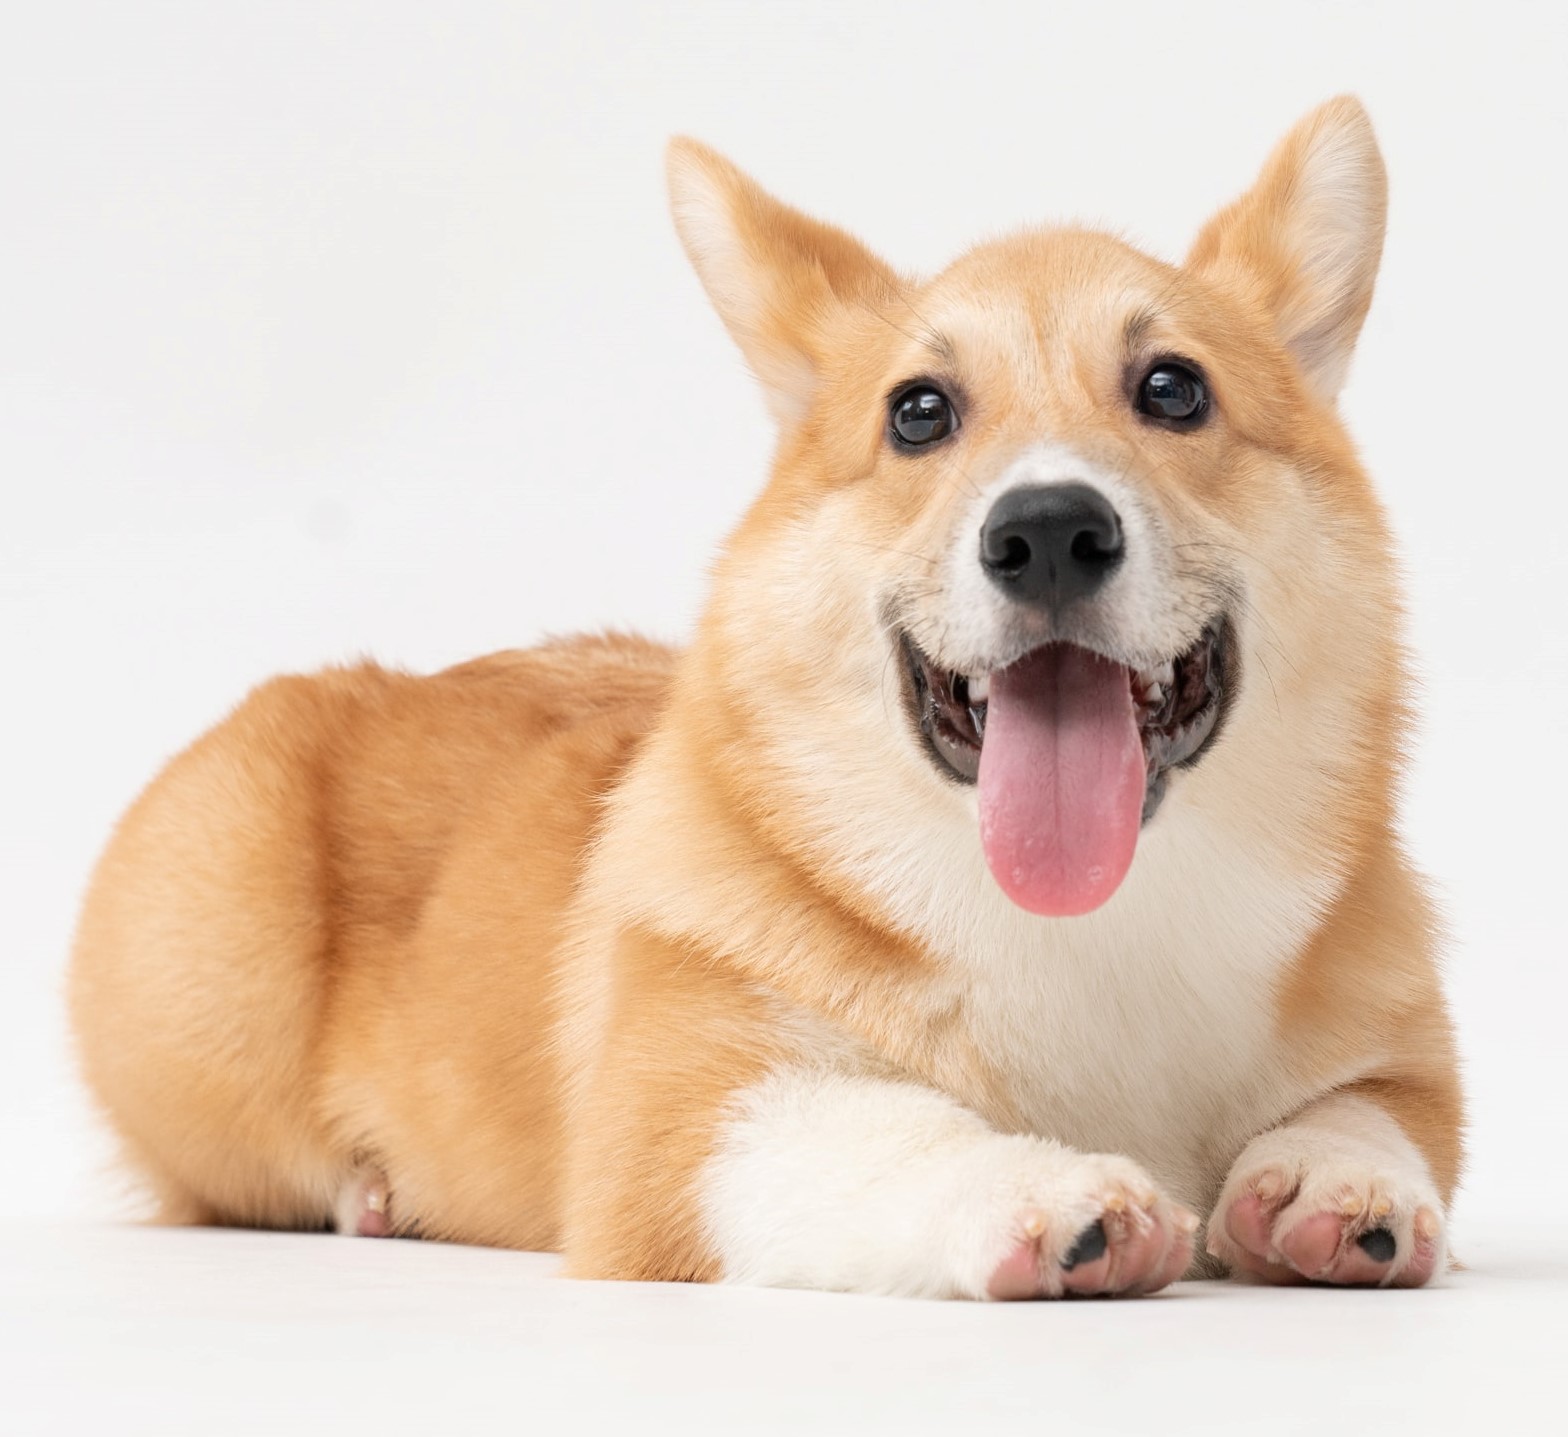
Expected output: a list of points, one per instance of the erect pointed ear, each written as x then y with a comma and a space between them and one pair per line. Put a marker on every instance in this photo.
775, 276
1305, 240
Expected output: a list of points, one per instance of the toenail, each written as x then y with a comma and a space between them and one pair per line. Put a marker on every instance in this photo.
1089, 1248
1379, 1244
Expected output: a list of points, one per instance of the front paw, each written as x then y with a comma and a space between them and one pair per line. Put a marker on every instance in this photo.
1093, 1224
1298, 1211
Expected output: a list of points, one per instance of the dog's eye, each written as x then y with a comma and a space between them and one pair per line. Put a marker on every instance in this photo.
922, 415
1172, 391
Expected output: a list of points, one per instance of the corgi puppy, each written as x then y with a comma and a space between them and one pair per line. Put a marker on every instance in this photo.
1002, 886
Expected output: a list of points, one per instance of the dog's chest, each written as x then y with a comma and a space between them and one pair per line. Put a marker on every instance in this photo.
1152, 1031
1177, 1075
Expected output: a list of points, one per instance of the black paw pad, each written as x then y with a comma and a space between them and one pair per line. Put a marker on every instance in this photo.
1089, 1247
1378, 1244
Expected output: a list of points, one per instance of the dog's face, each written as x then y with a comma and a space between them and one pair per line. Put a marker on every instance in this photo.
1057, 520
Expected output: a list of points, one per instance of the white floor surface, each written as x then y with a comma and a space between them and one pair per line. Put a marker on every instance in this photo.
125, 1330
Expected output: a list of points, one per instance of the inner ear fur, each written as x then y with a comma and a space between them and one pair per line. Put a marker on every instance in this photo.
1305, 241
775, 276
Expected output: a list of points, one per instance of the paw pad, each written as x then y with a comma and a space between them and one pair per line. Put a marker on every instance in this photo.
1090, 1247
1140, 1243
1379, 1244
1289, 1234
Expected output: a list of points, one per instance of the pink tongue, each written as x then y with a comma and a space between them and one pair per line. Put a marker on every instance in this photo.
1061, 780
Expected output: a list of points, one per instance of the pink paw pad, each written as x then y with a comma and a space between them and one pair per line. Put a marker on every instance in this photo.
363, 1205
1362, 1244
1131, 1249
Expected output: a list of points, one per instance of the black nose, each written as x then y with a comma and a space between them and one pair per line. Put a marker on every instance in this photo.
1050, 544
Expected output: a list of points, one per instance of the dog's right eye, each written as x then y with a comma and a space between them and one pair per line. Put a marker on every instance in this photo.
922, 414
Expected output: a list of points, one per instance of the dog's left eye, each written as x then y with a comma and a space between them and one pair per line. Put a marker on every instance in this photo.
922, 414
1172, 391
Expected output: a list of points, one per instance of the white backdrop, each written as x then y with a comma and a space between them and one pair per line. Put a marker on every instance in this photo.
330, 330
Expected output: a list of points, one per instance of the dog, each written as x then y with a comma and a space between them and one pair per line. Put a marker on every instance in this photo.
1004, 878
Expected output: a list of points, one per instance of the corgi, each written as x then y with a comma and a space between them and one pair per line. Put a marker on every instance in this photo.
999, 898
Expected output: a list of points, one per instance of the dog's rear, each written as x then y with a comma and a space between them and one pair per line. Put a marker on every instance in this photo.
246, 987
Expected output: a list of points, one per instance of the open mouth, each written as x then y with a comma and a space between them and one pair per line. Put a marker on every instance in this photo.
1072, 752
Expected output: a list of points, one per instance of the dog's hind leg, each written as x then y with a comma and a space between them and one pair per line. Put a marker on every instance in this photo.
364, 1204
202, 969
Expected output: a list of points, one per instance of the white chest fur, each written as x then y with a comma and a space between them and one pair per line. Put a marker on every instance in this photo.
1148, 1027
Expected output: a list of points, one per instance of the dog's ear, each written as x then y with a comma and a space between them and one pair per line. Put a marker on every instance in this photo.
776, 277
1305, 240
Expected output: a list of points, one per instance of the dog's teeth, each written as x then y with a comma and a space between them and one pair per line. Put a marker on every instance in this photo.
1153, 684
980, 689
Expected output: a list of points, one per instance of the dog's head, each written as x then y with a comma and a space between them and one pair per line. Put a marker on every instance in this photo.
1059, 532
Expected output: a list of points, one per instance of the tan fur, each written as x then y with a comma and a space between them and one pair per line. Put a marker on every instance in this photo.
516, 933
323, 937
